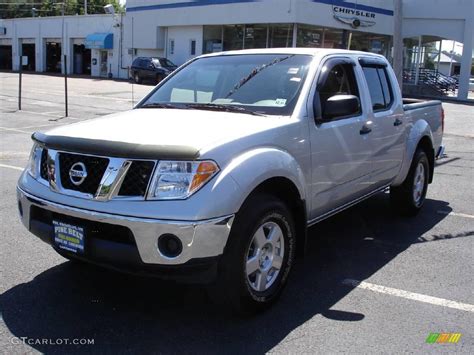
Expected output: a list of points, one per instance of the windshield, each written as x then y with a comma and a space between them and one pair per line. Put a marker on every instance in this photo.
167, 63
260, 83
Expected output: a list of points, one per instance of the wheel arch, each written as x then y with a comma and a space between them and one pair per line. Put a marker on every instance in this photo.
419, 136
285, 189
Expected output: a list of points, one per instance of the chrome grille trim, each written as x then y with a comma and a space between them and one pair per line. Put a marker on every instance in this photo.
110, 183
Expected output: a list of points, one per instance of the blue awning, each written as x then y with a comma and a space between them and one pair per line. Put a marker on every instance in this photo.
100, 41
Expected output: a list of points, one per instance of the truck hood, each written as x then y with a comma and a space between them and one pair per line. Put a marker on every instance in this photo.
155, 133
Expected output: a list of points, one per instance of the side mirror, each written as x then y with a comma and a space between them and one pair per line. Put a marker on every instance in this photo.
340, 106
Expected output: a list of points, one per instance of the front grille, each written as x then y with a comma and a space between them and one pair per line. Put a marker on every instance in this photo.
95, 167
137, 178
44, 164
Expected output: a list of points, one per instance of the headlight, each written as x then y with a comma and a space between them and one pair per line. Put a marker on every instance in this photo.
180, 179
32, 167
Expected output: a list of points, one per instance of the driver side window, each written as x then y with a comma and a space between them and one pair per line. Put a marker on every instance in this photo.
340, 81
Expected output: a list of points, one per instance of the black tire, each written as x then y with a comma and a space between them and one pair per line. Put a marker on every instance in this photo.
158, 78
136, 78
234, 287
403, 197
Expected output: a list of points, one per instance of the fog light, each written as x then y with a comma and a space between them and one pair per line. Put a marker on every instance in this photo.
169, 245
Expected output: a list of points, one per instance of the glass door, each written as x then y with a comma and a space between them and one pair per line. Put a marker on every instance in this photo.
103, 63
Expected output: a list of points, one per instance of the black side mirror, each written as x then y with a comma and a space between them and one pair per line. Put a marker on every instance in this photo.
340, 106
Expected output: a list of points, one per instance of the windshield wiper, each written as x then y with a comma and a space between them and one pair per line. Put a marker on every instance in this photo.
225, 108
253, 73
161, 105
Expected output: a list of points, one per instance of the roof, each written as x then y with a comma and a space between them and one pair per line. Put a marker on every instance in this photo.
321, 52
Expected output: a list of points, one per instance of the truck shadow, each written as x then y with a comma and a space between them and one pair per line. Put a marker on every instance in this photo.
130, 314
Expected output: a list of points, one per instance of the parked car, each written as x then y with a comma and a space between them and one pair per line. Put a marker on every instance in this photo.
151, 69
215, 176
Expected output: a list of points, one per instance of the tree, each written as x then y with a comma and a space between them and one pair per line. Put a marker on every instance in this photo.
43, 8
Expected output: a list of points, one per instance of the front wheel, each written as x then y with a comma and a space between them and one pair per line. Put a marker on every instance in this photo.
136, 78
409, 197
258, 256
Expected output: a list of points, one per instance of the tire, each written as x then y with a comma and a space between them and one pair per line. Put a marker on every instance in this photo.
250, 254
158, 78
137, 78
408, 198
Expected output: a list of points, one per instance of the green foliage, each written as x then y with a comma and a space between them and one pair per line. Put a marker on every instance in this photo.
43, 8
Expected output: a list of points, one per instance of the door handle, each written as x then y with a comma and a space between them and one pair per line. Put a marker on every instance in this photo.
366, 128
397, 122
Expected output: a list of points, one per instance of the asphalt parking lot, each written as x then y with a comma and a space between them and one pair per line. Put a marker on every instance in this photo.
371, 282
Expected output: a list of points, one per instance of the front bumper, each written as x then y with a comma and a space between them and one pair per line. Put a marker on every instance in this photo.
200, 239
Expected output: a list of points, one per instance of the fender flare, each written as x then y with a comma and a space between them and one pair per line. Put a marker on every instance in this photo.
418, 131
253, 167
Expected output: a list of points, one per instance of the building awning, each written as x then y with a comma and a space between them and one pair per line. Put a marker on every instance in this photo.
99, 41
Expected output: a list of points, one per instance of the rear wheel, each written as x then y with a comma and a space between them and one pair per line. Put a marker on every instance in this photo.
258, 256
409, 197
158, 78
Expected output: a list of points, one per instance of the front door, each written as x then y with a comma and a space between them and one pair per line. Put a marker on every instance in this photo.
103, 63
340, 149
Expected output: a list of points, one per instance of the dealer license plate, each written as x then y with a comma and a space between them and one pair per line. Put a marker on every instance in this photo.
69, 237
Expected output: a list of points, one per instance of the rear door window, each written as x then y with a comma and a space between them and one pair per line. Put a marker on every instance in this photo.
379, 87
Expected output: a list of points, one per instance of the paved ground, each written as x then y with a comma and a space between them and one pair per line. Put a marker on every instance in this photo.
45, 297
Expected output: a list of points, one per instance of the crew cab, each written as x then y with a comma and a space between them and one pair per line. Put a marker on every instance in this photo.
215, 176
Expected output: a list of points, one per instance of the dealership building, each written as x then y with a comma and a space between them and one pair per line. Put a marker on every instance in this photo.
105, 45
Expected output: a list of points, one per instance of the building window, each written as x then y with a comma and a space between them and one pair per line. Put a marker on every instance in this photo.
280, 35
233, 37
369, 42
212, 39
255, 36
171, 46
310, 36
192, 49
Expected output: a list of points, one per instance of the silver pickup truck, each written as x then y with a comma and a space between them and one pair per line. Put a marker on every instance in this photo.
216, 175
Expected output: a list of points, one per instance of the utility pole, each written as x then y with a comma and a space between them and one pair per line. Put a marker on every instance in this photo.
398, 41
85, 7
63, 48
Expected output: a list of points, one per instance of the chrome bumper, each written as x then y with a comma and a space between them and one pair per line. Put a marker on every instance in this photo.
200, 239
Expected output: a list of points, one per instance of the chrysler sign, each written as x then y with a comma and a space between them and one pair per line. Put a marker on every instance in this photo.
355, 18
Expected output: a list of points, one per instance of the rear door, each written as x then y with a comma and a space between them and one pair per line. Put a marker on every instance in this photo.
340, 148
388, 121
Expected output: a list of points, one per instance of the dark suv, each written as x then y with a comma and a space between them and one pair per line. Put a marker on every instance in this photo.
151, 69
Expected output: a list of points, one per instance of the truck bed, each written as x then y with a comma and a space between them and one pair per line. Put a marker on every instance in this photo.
431, 111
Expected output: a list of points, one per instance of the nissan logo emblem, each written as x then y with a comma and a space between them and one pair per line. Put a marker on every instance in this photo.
77, 173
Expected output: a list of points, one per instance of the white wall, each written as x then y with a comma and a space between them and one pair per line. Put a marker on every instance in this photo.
182, 37
75, 27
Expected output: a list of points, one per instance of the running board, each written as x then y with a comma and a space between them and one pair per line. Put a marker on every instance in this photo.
346, 206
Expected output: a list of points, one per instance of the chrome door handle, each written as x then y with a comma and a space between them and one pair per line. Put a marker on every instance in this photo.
397, 122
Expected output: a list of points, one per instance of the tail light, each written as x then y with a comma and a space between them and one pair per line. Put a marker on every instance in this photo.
442, 119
